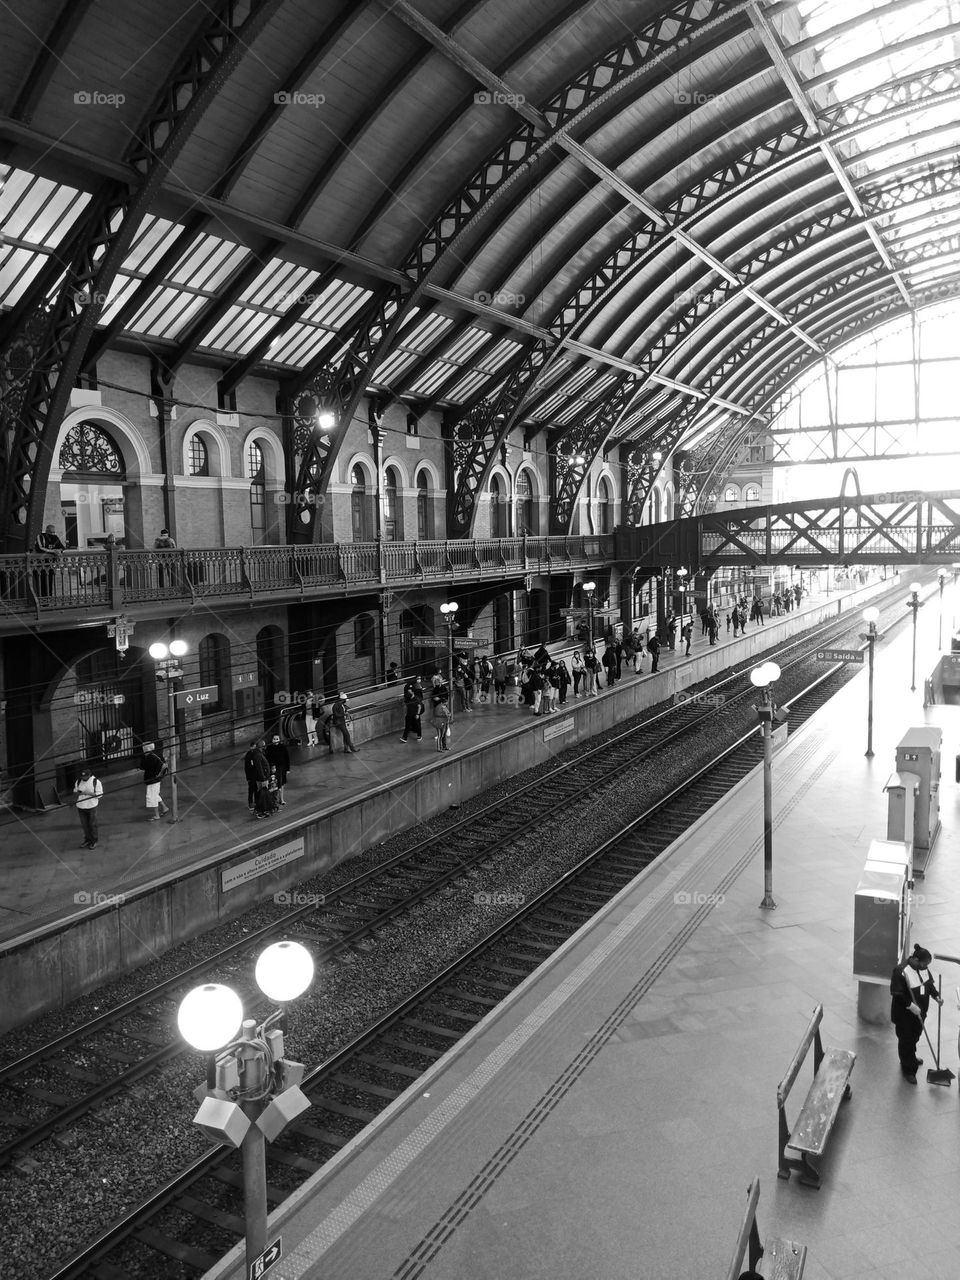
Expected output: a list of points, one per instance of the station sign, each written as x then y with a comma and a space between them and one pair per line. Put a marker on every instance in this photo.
574, 613
429, 642
271, 1254
198, 697
840, 655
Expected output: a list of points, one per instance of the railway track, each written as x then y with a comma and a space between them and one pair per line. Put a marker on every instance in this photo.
45, 1092
196, 1217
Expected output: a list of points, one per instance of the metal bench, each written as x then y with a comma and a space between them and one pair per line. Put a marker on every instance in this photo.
820, 1109
775, 1260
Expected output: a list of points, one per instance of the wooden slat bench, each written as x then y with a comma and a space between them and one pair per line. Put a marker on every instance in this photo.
816, 1119
775, 1260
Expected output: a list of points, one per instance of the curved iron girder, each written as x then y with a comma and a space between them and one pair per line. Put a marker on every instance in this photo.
41, 389
681, 22
900, 98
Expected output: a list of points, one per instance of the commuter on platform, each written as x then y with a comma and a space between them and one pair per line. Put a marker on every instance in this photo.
577, 672
50, 547
484, 677
393, 674
154, 770
756, 611
653, 648
340, 720
278, 757
563, 677
441, 722
311, 714
256, 770
671, 625
534, 688
591, 666
686, 635
412, 709
88, 790
500, 678
619, 651
609, 661
714, 628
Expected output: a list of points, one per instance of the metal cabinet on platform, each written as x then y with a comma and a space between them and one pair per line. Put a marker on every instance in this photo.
918, 753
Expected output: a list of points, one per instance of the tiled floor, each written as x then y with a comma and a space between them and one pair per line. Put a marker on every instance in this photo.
605, 1124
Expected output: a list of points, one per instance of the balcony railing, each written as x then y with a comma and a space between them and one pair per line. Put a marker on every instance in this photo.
113, 580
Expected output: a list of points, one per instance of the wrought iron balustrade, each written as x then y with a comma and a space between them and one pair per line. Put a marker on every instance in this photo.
78, 580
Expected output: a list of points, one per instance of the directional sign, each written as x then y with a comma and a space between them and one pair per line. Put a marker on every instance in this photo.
840, 655
574, 613
198, 697
429, 642
271, 1254
468, 642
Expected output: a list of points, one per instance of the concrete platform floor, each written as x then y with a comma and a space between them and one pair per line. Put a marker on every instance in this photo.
605, 1123
46, 874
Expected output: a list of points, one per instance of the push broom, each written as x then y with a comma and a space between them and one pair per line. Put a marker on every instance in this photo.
938, 1074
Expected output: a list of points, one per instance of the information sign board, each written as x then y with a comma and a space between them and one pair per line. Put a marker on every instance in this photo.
197, 697
840, 655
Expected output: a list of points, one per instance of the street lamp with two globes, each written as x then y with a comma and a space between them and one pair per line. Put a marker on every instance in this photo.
251, 1092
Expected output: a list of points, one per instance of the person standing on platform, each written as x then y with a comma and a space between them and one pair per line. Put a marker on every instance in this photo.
412, 709
256, 770
686, 635
591, 666
88, 790
577, 672
910, 996
393, 674
154, 771
341, 722
441, 722
311, 714
609, 661
653, 648
563, 676
500, 678
278, 758
50, 547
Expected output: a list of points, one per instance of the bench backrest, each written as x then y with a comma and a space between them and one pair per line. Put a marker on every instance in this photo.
749, 1235
810, 1036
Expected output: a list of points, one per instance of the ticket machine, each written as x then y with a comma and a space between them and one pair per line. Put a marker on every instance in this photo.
881, 925
918, 753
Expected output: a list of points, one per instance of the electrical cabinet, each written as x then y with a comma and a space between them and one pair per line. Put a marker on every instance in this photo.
918, 753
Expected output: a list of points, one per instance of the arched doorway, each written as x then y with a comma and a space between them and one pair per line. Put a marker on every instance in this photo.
424, 509
91, 488
392, 514
112, 711
257, 472
527, 521
604, 507
360, 506
271, 670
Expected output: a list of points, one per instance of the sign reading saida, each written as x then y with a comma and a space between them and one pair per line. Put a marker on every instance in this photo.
840, 655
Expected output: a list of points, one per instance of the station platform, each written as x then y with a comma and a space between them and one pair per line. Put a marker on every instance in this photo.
605, 1122
47, 876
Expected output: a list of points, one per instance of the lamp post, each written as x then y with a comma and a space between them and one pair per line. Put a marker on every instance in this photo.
682, 575
251, 1092
449, 612
916, 604
763, 678
870, 616
941, 579
167, 657
588, 588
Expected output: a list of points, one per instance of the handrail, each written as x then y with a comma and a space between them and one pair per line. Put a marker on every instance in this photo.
112, 580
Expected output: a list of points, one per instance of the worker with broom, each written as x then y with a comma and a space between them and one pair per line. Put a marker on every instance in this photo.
911, 994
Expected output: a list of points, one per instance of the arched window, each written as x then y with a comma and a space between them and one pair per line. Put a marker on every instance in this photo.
214, 658
364, 636
731, 493
360, 506
498, 509
751, 493
424, 509
89, 450
604, 507
199, 456
258, 491
392, 522
526, 506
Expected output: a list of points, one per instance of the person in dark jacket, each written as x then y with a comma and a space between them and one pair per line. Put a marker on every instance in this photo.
154, 769
341, 722
609, 661
910, 996
412, 709
653, 648
278, 757
256, 770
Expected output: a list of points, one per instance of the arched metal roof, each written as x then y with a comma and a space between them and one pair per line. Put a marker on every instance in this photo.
625, 220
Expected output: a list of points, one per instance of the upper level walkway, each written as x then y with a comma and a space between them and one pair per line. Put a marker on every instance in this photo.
881, 528
53, 590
